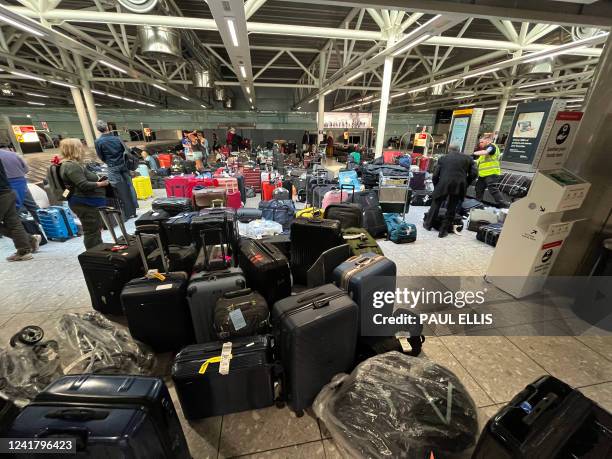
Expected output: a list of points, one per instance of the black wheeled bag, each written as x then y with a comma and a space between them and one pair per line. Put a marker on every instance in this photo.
152, 217
421, 198
220, 224
266, 269
156, 308
241, 313
172, 205
348, 214
248, 385
177, 229
309, 239
179, 258
317, 339
489, 234
373, 220
107, 267
86, 404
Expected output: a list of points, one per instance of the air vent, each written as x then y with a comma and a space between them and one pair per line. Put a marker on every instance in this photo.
201, 78
226, 6
160, 43
219, 94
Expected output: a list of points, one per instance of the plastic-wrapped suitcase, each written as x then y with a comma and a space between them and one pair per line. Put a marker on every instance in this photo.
266, 269
548, 419
360, 241
173, 206
99, 394
177, 229
156, 307
318, 335
468, 204
247, 385
309, 239
241, 313
489, 234
107, 267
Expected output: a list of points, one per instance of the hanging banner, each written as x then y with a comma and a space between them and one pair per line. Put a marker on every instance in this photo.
347, 120
560, 141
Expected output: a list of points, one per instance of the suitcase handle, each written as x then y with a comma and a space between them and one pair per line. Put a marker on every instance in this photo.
143, 255
77, 414
347, 186
107, 211
222, 243
237, 293
81, 433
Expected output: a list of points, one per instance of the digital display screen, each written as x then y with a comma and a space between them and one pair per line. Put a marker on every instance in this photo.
458, 132
528, 125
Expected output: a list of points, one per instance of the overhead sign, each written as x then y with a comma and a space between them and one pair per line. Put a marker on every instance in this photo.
560, 141
25, 133
347, 120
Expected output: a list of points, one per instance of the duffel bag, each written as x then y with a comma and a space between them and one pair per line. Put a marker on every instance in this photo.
241, 313
278, 210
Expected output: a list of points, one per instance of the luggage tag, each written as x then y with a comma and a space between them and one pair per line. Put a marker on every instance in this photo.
155, 274
402, 337
223, 360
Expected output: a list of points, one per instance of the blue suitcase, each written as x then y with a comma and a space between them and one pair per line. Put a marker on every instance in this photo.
58, 223
109, 415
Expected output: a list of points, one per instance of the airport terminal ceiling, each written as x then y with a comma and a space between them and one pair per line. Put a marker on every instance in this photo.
197, 54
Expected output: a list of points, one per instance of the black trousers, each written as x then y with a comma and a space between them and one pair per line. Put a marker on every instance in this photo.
489, 182
10, 223
451, 210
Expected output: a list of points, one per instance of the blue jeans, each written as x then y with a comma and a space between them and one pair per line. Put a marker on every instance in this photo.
119, 178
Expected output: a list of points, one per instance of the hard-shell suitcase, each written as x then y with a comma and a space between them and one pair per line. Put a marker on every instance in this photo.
84, 394
143, 187
549, 420
360, 241
57, 224
349, 178
489, 234
348, 214
32, 227
177, 229
309, 239
390, 156
241, 313
173, 206
208, 197
247, 385
267, 189
317, 338
180, 258
281, 193
318, 194
107, 267
156, 307
165, 160
469, 204
220, 223
233, 199
373, 220
152, 217
266, 269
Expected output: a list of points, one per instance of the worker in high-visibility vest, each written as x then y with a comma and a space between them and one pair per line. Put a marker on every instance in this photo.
489, 170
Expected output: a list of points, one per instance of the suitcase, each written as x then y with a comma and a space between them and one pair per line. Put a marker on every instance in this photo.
390, 157
267, 189
233, 199
58, 223
282, 212
417, 181
189, 167
192, 182
143, 187
8, 412
360, 241
177, 229
321, 272
165, 160
455, 227
317, 338
152, 217
361, 276
247, 214
487, 215
281, 241
156, 308
548, 419
489, 234
143, 170
220, 223
318, 193
252, 178
248, 385
107, 267
241, 313
337, 196
349, 178
514, 185
176, 186
31, 227
266, 269
180, 258
173, 206
421, 198
373, 220
281, 194
309, 239
348, 214
208, 197
468, 204
80, 395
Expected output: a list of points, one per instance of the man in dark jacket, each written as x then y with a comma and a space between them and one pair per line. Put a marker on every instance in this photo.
453, 175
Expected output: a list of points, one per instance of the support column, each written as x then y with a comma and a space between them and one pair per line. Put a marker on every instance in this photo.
82, 114
384, 103
502, 110
320, 125
87, 95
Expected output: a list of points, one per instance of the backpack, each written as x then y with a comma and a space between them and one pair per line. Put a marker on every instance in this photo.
132, 160
398, 230
58, 189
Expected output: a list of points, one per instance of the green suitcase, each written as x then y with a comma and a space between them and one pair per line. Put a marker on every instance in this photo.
360, 241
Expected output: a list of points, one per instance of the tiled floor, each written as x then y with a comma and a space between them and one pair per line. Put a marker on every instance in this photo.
492, 368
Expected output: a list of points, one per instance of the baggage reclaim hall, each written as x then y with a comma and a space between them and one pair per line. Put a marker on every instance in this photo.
291, 229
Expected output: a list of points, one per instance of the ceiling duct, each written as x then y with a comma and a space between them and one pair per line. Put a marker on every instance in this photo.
228, 103
201, 78
138, 6
160, 43
219, 94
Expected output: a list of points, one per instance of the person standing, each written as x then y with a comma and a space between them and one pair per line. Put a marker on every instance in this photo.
329, 151
10, 224
111, 150
452, 176
489, 170
203, 147
305, 142
87, 193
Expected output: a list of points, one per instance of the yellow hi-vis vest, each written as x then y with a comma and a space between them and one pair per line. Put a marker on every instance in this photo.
489, 164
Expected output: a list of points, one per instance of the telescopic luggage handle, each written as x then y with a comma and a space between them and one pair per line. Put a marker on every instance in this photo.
153, 232
222, 243
237, 293
105, 213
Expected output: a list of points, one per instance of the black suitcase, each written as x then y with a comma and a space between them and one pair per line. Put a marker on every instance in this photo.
152, 217
80, 401
8, 412
417, 181
281, 241
318, 335
156, 310
220, 223
266, 269
241, 313
309, 239
32, 227
248, 385
548, 419
421, 198
489, 234
350, 215
319, 191
107, 267
178, 257
373, 220
177, 229
172, 205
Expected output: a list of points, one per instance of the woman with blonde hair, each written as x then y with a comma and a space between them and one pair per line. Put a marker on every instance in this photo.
86, 191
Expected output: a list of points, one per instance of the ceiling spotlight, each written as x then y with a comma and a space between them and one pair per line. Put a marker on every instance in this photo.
250, 100
299, 107
311, 101
202, 105
243, 71
248, 90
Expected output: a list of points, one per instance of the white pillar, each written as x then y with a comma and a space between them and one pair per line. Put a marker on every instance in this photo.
82, 114
87, 95
502, 110
384, 103
321, 116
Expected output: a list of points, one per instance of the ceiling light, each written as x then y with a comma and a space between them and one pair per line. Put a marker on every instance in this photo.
412, 44
416, 90
35, 103
61, 83
97, 105
128, 100
574, 100
311, 101
184, 98
327, 92
420, 103
354, 77
114, 96
467, 105
484, 72
112, 66
27, 75
159, 87
250, 100
562, 49
35, 94
398, 95
243, 71
95, 91
531, 85
464, 96
252, 108
522, 98
202, 105
150, 105
232, 30
19, 25
140, 102
248, 90
424, 110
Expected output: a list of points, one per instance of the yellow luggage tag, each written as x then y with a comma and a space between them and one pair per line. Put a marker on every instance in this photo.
155, 274
223, 360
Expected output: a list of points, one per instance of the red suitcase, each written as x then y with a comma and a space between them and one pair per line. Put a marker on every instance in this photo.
252, 178
165, 160
424, 163
233, 199
267, 190
389, 157
176, 186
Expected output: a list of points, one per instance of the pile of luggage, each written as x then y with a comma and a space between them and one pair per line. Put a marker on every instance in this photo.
487, 222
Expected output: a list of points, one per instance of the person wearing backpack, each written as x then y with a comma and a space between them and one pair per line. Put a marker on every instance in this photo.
111, 149
86, 192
